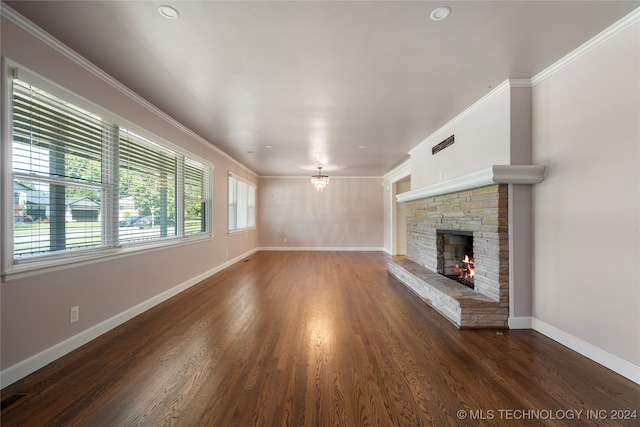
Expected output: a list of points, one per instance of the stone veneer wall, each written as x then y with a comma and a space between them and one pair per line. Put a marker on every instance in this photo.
484, 211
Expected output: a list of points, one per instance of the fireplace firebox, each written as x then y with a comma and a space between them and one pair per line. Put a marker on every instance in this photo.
455, 256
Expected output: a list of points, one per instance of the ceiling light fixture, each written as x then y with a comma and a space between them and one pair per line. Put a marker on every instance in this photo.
168, 12
320, 181
440, 13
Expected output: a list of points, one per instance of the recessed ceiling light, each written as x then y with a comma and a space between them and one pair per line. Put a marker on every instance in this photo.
168, 12
361, 147
268, 147
440, 13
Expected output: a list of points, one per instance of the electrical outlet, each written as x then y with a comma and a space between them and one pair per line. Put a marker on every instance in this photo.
74, 314
285, 240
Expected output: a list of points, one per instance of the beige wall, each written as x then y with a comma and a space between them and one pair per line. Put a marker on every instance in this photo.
347, 214
586, 212
35, 309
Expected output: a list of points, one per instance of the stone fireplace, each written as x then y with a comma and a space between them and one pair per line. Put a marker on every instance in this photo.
445, 224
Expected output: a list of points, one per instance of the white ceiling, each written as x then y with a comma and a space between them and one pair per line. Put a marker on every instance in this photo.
317, 80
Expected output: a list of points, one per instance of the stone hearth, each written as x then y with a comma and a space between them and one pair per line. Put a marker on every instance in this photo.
463, 306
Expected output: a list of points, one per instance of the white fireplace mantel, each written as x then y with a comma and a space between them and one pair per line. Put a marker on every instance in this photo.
496, 174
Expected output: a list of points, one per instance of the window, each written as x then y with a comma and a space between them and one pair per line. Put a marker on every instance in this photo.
196, 188
58, 156
242, 204
83, 183
148, 179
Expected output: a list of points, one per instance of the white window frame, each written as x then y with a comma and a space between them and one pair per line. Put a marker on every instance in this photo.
206, 198
38, 264
241, 186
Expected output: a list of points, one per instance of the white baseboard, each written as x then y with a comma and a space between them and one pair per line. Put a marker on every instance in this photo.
37, 361
608, 360
520, 322
317, 248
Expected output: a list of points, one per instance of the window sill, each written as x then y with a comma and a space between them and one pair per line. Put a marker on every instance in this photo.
244, 230
35, 268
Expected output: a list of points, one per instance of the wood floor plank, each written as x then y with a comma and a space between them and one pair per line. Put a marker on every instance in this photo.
311, 339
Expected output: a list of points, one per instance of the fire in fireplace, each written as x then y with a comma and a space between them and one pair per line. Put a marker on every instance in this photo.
455, 256
464, 274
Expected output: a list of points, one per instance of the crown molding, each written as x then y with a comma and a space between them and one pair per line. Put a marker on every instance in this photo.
331, 177
596, 41
37, 32
507, 84
399, 172
587, 47
497, 174
520, 83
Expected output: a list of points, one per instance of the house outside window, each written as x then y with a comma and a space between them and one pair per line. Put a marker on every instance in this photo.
77, 176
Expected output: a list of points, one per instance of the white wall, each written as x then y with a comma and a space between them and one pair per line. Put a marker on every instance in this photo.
347, 214
482, 139
35, 309
586, 212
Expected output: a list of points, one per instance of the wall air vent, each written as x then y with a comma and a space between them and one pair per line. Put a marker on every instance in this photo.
444, 144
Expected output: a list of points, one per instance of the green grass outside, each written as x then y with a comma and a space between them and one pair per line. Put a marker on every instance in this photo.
27, 228
80, 234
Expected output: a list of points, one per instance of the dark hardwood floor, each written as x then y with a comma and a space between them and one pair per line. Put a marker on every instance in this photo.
318, 339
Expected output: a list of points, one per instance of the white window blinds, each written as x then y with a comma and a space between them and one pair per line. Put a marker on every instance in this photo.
59, 153
148, 180
242, 204
81, 182
197, 198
